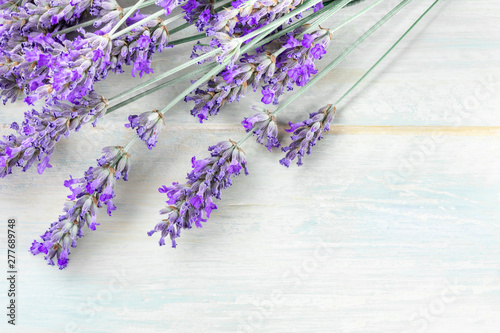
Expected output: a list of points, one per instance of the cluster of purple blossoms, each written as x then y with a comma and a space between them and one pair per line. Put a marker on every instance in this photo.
147, 125
37, 135
25, 32
279, 65
137, 47
200, 13
23, 63
54, 68
71, 74
227, 26
90, 192
306, 133
263, 125
295, 64
191, 203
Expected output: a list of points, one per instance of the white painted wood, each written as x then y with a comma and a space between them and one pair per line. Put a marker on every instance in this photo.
386, 228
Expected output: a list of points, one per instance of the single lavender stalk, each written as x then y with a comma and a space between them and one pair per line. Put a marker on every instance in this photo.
36, 137
191, 203
94, 190
148, 126
306, 134
263, 125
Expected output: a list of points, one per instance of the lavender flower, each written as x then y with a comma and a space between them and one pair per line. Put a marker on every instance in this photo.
147, 125
192, 202
306, 133
138, 47
72, 74
36, 137
92, 191
54, 68
263, 125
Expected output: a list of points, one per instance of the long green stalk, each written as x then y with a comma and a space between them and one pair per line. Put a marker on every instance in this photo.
341, 57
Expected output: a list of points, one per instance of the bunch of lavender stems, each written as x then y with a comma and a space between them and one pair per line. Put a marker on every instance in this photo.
227, 160
207, 179
23, 151
325, 15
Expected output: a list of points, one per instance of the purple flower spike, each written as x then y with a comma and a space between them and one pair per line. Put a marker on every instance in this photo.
36, 137
263, 125
148, 126
191, 203
89, 193
307, 133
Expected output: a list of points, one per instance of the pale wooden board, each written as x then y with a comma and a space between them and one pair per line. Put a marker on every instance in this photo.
392, 225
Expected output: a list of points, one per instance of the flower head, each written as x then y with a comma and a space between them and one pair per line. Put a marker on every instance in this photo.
191, 203
147, 125
263, 125
94, 190
35, 138
306, 133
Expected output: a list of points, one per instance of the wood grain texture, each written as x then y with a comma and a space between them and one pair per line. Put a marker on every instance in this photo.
391, 225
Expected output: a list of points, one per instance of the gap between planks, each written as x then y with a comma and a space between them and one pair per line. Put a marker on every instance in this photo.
489, 131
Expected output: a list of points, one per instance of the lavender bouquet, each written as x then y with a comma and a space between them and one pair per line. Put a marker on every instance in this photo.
54, 53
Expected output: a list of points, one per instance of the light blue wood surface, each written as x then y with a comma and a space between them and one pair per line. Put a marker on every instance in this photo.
392, 225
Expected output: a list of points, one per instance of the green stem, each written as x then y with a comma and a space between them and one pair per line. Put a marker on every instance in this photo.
385, 54
352, 18
137, 24
341, 57
158, 87
187, 39
322, 18
125, 17
193, 61
166, 74
195, 85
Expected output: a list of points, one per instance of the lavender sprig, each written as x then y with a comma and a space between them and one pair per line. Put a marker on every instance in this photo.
263, 125
36, 137
94, 190
306, 134
191, 203
148, 125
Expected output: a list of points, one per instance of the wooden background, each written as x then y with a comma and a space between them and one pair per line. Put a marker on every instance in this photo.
392, 225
